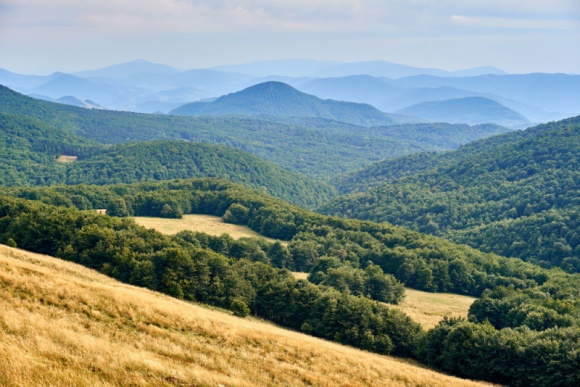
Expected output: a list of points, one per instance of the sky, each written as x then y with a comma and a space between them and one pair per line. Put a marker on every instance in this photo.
518, 36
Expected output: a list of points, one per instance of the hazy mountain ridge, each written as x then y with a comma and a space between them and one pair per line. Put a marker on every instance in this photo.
469, 110
315, 147
149, 87
280, 99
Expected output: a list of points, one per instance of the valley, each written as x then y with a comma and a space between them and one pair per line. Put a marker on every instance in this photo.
289, 229
428, 309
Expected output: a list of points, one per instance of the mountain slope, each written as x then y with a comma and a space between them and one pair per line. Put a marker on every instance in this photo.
166, 160
556, 93
29, 151
280, 99
484, 194
63, 324
29, 147
544, 302
470, 110
316, 147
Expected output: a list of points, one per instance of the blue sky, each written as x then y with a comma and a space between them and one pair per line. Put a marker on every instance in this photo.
516, 35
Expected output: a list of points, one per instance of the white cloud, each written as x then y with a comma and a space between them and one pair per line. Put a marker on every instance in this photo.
239, 30
196, 16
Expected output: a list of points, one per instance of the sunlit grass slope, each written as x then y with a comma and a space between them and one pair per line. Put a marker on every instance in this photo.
429, 308
212, 225
62, 324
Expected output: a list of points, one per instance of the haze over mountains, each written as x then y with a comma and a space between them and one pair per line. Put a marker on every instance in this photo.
279, 99
146, 87
512, 194
317, 147
470, 110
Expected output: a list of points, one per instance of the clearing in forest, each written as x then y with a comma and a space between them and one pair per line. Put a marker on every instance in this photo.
427, 308
212, 225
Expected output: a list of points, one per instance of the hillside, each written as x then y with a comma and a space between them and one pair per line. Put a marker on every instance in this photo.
516, 195
315, 147
523, 309
63, 324
280, 99
166, 160
470, 110
30, 150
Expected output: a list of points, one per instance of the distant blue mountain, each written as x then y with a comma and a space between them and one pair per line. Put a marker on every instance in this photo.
63, 85
70, 100
138, 66
285, 68
557, 93
149, 87
354, 88
281, 100
471, 110
21, 81
395, 70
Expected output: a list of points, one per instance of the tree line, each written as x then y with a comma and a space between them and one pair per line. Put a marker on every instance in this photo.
523, 331
515, 195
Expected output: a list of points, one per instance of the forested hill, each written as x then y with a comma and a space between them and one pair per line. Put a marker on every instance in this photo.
29, 151
165, 160
470, 110
516, 195
318, 148
280, 99
29, 147
523, 311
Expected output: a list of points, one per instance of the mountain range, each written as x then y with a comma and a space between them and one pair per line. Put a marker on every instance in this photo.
279, 99
141, 86
317, 147
448, 208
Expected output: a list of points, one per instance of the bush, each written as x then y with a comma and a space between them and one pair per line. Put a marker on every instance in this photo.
239, 308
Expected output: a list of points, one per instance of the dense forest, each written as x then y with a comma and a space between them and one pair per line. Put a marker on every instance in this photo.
29, 151
418, 260
513, 195
516, 195
523, 310
318, 148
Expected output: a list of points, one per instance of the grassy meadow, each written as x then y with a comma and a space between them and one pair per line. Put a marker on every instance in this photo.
427, 308
62, 325
212, 225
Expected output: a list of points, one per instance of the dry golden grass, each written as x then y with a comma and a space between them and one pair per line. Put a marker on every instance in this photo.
299, 275
66, 159
429, 308
65, 325
212, 225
